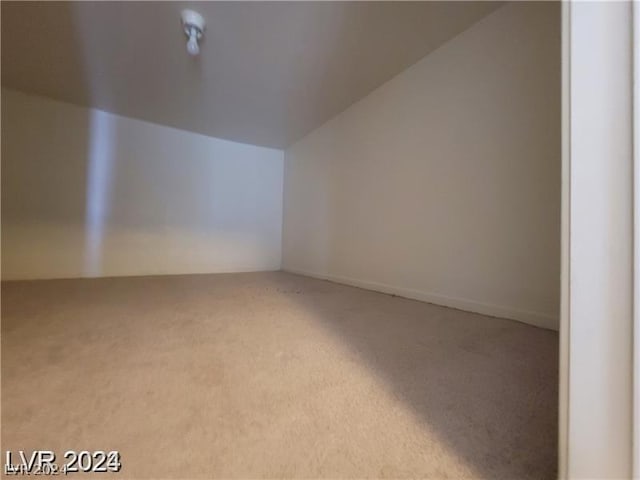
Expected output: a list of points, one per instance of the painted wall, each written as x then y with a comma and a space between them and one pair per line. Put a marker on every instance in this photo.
87, 193
444, 183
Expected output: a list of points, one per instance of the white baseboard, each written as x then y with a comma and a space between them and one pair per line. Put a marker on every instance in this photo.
532, 318
19, 277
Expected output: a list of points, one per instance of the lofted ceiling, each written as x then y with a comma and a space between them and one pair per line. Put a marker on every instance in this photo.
268, 72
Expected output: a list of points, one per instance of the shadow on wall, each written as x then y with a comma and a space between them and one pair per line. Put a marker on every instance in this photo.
445, 182
487, 387
52, 191
34, 191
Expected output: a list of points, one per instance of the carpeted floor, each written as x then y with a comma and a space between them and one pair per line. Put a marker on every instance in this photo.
274, 375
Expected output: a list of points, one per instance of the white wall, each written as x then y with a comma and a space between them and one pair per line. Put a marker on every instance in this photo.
444, 183
87, 193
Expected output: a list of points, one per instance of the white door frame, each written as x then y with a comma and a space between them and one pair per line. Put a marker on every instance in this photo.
597, 405
635, 38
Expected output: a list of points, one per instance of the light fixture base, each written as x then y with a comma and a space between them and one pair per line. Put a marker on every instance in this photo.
193, 21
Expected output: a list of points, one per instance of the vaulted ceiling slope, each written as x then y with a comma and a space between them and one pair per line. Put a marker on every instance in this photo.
268, 72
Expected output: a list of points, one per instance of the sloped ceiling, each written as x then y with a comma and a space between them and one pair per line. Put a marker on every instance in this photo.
268, 73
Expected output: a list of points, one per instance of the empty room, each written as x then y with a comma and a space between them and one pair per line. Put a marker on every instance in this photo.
287, 239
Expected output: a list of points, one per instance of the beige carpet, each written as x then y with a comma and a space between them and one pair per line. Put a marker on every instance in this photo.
274, 375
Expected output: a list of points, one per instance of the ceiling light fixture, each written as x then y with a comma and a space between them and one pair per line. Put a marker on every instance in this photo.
193, 25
